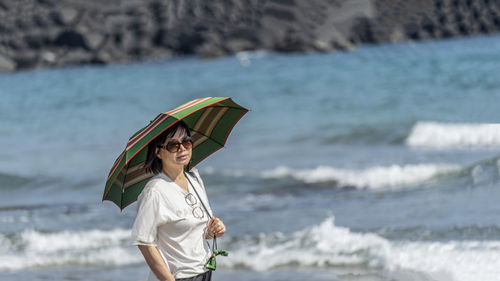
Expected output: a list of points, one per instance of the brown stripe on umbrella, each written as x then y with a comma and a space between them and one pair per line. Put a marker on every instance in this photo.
135, 172
202, 118
198, 138
135, 168
137, 179
118, 180
118, 183
216, 119
207, 124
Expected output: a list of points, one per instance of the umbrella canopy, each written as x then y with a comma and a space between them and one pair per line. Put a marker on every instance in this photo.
210, 121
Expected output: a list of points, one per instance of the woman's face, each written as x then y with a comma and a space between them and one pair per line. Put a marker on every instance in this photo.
175, 159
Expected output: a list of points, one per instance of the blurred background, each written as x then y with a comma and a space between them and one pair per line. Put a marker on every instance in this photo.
371, 151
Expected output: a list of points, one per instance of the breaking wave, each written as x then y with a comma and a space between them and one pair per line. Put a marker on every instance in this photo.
329, 246
320, 246
483, 172
373, 177
32, 248
442, 135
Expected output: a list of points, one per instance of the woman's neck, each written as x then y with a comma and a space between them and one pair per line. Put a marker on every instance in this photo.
174, 173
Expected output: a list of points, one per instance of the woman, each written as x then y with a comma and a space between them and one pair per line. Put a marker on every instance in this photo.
173, 218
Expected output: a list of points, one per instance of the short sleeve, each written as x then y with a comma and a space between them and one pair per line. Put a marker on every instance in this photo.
150, 214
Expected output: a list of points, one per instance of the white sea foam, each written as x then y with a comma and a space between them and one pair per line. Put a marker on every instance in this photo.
442, 135
92, 247
327, 245
324, 245
464, 260
373, 177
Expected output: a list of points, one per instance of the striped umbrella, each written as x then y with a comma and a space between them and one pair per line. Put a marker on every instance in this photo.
210, 121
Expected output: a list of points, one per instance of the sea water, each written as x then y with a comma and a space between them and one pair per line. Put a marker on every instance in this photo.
375, 164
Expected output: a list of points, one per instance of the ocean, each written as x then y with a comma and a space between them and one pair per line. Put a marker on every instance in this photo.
381, 163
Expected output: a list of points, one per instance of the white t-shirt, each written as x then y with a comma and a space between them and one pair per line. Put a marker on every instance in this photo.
165, 220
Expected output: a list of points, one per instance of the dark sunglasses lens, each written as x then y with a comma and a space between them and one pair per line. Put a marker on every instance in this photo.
173, 146
187, 143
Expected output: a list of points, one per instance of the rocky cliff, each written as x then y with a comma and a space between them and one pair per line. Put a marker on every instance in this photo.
44, 33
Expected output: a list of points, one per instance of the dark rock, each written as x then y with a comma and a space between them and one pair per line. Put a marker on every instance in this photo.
3, 6
362, 31
157, 9
37, 41
280, 14
48, 32
485, 27
21, 25
126, 41
292, 42
412, 31
160, 39
463, 28
496, 22
187, 43
26, 60
427, 24
284, 2
40, 22
244, 33
71, 39
181, 43
3, 29
448, 32
14, 44
46, 2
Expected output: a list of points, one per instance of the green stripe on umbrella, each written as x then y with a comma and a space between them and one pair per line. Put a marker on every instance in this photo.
210, 120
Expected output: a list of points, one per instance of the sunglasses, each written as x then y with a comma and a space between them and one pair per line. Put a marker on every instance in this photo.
191, 201
175, 146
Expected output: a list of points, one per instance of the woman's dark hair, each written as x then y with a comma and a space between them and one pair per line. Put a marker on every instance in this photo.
153, 163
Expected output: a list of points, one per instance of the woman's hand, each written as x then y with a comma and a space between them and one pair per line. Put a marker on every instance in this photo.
215, 226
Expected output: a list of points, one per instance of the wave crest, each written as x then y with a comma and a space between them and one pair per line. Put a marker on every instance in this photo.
329, 246
374, 177
323, 245
442, 135
319, 246
33, 248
